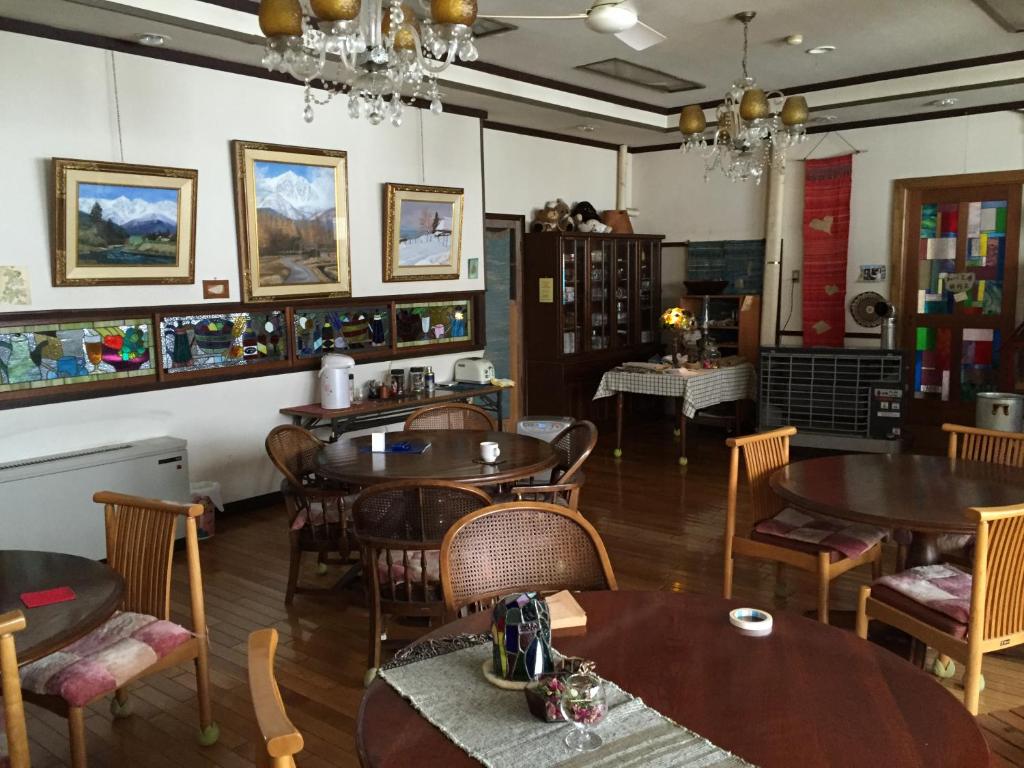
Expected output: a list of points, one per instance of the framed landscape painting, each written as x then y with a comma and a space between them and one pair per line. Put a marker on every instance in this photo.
291, 205
422, 232
120, 224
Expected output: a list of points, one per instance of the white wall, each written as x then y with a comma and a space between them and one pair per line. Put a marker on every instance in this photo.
524, 172
673, 198
58, 101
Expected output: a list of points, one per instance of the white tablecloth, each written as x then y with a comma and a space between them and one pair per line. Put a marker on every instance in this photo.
698, 389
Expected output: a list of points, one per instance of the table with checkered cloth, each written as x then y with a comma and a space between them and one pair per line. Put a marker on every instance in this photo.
699, 390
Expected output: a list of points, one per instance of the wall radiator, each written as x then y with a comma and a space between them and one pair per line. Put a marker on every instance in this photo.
46, 501
832, 396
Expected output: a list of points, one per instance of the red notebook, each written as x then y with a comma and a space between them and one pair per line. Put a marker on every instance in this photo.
47, 597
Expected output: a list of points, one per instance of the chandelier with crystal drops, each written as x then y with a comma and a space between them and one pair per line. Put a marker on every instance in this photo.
378, 52
753, 133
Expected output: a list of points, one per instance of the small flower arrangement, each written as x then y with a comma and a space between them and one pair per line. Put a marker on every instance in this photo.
544, 696
679, 321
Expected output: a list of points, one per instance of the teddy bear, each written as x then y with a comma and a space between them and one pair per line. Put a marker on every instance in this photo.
553, 217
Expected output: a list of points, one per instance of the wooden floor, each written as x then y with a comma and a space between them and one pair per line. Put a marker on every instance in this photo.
662, 525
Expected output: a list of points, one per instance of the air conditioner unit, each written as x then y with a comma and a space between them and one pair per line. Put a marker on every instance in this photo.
47, 500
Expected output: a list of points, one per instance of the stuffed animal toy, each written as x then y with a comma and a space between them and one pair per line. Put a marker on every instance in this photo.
546, 219
586, 211
566, 223
591, 225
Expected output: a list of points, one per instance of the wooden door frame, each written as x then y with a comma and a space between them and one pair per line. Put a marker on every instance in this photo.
516, 224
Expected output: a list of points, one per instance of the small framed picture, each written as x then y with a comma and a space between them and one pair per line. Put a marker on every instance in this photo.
291, 206
473, 268
216, 289
422, 232
120, 224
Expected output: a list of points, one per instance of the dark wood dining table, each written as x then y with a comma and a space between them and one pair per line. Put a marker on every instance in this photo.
926, 495
97, 587
453, 455
806, 695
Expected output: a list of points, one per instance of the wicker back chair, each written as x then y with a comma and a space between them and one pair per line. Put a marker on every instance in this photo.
281, 740
399, 527
13, 709
987, 445
573, 446
140, 547
996, 611
451, 416
763, 454
316, 509
517, 547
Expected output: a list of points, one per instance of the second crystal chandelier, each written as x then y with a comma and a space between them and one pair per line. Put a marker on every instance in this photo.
383, 51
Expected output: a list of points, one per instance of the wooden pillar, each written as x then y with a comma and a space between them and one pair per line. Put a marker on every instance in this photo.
772, 256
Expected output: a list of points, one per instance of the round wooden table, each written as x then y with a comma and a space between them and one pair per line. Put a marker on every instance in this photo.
807, 695
928, 495
453, 455
97, 588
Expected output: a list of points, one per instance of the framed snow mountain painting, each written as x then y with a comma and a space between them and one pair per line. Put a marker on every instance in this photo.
422, 232
120, 224
291, 206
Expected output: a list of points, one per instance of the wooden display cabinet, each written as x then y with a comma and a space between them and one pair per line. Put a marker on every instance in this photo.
735, 322
591, 303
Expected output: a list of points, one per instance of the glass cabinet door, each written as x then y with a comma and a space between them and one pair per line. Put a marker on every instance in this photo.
602, 254
647, 311
573, 266
625, 251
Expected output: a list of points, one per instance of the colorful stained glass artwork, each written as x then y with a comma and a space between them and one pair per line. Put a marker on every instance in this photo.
521, 637
201, 342
344, 329
929, 220
47, 355
949, 219
932, 358
439, 322
979, 362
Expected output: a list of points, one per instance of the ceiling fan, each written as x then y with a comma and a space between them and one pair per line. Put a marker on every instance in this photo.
609, 17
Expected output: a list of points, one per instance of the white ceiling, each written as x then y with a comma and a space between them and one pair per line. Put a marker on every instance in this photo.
703, 45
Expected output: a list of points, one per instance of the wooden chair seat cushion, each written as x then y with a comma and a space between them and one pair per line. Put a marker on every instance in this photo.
102, 661
316, 515
958, 545
941, 589
414, 571
844, 539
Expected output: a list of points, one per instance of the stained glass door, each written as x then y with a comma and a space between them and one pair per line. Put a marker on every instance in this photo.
959, 297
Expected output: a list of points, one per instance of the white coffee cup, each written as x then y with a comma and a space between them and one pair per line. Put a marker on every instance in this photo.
489, 452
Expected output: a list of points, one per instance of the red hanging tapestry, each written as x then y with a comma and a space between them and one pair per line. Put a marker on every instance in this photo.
826, 236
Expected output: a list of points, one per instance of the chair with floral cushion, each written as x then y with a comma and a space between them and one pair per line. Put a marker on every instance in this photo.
517, 547
13, 736
399, 527
317, 508
139, 639
451, 416
959, 614
281, 740
573, 446
784, 535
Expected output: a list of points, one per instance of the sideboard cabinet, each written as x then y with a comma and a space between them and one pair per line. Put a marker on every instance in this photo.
590, 303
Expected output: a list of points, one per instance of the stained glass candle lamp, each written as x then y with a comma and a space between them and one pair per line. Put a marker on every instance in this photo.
521, 633
679, 321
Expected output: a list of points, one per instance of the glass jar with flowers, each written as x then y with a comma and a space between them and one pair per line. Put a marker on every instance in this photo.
679, 321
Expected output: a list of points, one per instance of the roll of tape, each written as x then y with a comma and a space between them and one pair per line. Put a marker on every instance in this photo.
751, 621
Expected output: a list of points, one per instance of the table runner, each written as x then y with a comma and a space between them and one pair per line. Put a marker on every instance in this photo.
701, 390
495, 727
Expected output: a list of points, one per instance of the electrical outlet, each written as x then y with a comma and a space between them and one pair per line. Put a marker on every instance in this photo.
796, 275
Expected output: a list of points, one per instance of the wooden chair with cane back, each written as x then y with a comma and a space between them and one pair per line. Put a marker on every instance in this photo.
573, 446
399, 527
517, 547
451, 416
318, 519
280, 740
961, 615
139, 639
782, 534
15, 755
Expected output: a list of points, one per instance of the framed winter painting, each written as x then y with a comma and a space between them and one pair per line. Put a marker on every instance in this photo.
291, 207
120, 224
422, 232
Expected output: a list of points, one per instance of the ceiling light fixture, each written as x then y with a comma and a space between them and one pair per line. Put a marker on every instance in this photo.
385, 52
820, 49
151, 39
795, 39
754, 128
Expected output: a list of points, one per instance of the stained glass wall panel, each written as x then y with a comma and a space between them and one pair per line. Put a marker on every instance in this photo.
438, 322
979, 362
986, 256
202, 342
345, 329
48, 355
932, 359
937, 253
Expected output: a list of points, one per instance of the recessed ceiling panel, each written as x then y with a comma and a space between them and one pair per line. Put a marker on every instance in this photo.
645, 77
